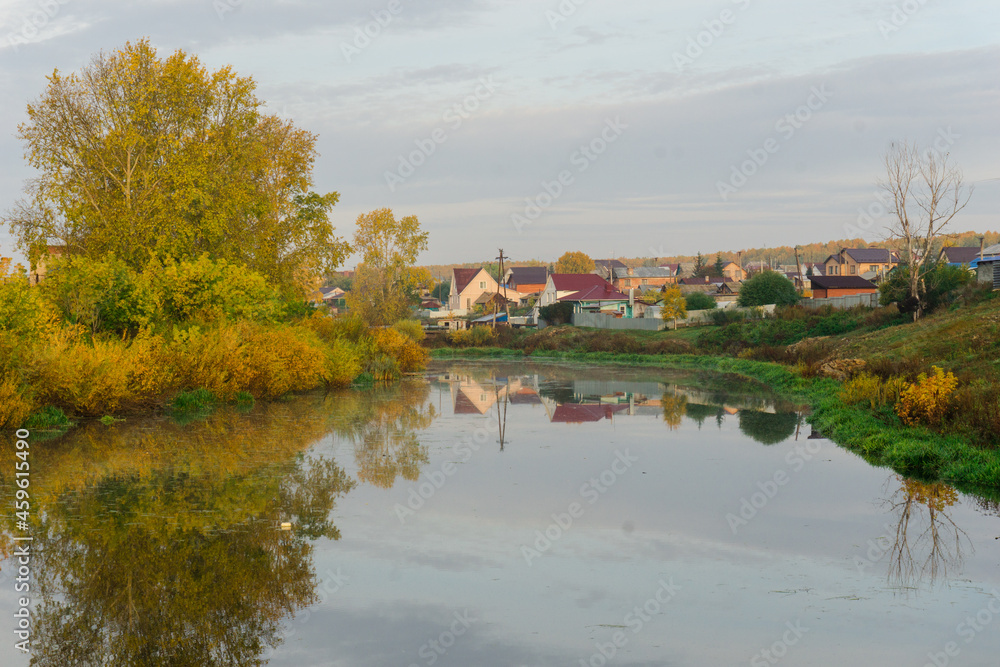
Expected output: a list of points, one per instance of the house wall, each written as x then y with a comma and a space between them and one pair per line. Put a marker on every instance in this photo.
529, 288
472, 291
637, 281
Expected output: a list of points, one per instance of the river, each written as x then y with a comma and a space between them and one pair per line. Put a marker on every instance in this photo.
493, 514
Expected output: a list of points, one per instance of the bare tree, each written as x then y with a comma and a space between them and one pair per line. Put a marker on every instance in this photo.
927, 192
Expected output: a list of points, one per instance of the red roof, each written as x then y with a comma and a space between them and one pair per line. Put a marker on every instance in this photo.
585, 287
578, 413
463, 277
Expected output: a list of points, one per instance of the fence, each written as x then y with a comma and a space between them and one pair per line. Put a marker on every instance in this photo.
601, 321
842, 302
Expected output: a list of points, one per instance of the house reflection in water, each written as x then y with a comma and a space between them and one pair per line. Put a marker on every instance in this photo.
571, 401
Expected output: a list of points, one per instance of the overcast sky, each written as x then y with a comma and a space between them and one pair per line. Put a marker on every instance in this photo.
674, 127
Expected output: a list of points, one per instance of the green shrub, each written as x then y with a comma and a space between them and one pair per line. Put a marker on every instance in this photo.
766, 288
699, 301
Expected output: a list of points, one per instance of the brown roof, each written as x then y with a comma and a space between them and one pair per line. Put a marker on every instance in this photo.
841, 282
463, 277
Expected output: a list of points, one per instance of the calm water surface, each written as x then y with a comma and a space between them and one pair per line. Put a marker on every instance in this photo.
498, 514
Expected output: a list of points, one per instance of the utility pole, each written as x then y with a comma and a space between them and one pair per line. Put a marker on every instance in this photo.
798, 269
503, 285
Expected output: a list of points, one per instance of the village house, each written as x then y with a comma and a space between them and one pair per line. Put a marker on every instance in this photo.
526, 279
958, 255
605, 267
467, 285
988, 267
41, 267
587, 292
824, 287
734, 272
652, 276
869, 263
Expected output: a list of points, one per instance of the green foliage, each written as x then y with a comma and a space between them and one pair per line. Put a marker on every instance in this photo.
699, 301
942, 283
560, 312
719, 265
48, 418
22, 312
197, 400
104, 295
701, 267
766, 288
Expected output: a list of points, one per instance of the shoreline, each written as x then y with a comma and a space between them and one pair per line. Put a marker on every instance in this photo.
911, 451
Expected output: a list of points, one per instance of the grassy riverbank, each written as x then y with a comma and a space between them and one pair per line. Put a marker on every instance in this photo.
960, 449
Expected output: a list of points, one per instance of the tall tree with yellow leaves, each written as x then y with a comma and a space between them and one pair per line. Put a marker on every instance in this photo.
142, 157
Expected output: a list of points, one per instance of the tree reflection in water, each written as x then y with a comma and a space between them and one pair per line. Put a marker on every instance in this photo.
156, 544
927, 542
382, 425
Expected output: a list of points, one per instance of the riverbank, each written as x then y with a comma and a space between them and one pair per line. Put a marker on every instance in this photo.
963, 341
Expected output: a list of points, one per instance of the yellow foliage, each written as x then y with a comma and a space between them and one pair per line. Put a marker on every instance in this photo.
97, 377
868, 388
927, 400
411, 328
15, 407
267, 361
409, 354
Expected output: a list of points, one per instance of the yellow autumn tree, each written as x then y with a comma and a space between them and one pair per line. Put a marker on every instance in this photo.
386, 283
673, 306
142, 156
574, 262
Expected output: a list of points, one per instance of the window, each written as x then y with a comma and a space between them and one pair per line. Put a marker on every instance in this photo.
482, 284
854, 269
645, 282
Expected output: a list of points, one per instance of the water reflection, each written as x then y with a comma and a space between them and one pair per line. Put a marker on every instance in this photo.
927, 542
157, 543
382, 424
603, 394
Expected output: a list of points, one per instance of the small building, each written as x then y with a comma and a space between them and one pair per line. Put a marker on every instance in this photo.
643, 276
959, 255
526, 279
734, 272
871, 262
988, 268
824, 287
587, 292
605, 267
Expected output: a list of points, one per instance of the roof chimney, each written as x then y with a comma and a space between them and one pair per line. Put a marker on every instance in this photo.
631, 271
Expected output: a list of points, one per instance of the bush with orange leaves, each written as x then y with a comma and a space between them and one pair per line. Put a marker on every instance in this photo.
927, 400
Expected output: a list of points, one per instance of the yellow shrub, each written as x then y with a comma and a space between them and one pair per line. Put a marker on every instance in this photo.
868, 388
15, 407
411, 329
267, 361
409, 355
927, 400
97, 377
343, 363
460, 337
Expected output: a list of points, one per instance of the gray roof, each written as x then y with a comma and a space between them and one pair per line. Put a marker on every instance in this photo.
870, 255
960, 254
644, 272
992, 250
528, 275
